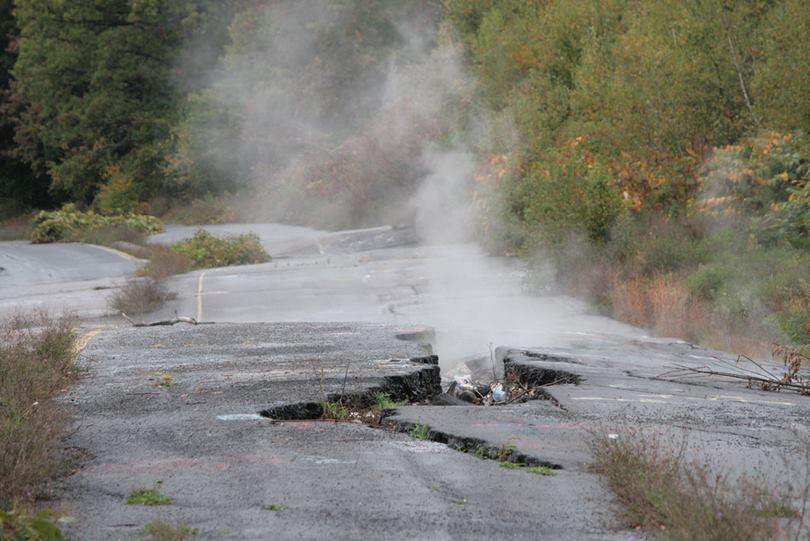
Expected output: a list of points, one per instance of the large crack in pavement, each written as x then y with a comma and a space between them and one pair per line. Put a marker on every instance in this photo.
423, 387
178, 406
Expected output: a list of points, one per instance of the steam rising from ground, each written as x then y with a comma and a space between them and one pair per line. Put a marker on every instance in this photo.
393, 144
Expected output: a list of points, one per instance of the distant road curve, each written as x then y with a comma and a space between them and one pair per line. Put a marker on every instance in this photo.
60, 277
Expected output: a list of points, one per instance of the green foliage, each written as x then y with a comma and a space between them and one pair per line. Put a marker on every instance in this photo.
16, 526
162, 531
505, 452
276, 507
707, 281
781, 81
120, 195
96, 90
20, 188
148, 496
542, 470
333, 411
569, 195
318, 100
419, 432
510, 465
205, 250
382, 401
69, 223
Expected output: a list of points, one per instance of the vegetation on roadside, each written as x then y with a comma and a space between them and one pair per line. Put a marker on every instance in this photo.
146, 292
138, 296
656, 152
70, 224
206, 250
37, 362
661, 492
16, 526
656, 162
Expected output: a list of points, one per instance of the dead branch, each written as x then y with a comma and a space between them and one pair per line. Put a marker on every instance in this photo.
165, 322
765, 383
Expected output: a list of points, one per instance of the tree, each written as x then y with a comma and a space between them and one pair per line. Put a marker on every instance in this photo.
19, 187
98, 85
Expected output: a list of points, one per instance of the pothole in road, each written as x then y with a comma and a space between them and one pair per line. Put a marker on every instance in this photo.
484, 381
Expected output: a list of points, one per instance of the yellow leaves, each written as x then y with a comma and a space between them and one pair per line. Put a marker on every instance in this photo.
525, 58
495, 168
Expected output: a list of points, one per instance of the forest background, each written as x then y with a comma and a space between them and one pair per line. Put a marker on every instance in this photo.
656, 152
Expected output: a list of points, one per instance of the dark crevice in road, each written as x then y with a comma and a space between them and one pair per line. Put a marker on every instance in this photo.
417, 386
475, 446
423, 387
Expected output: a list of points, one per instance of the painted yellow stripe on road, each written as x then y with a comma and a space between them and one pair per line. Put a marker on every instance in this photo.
84, 340
200, 296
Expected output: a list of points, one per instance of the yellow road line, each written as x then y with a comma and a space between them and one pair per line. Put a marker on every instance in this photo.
84, 340
119, 253
199, 296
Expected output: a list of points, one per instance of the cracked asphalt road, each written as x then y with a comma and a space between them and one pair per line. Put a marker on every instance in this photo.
337, 480
349, 481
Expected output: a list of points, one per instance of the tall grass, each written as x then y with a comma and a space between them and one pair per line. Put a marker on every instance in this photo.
37, 362
661, 492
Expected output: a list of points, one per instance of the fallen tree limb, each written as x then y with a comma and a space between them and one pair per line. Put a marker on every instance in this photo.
766, 383
167, 322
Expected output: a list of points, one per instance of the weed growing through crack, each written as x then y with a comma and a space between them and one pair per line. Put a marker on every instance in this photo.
164, 379
162, 531
148, 496
333, 411
505, 452
276, 507
138, 296
510, 465
383, 401
419, 432
541, 470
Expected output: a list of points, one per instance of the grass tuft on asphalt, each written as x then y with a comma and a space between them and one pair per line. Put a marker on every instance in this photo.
659, 491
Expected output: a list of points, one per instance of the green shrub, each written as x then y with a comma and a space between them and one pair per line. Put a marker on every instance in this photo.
22, 527
37, 362
205, 250
706, 281
70, 224
121, 194
209, 209
666, 251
